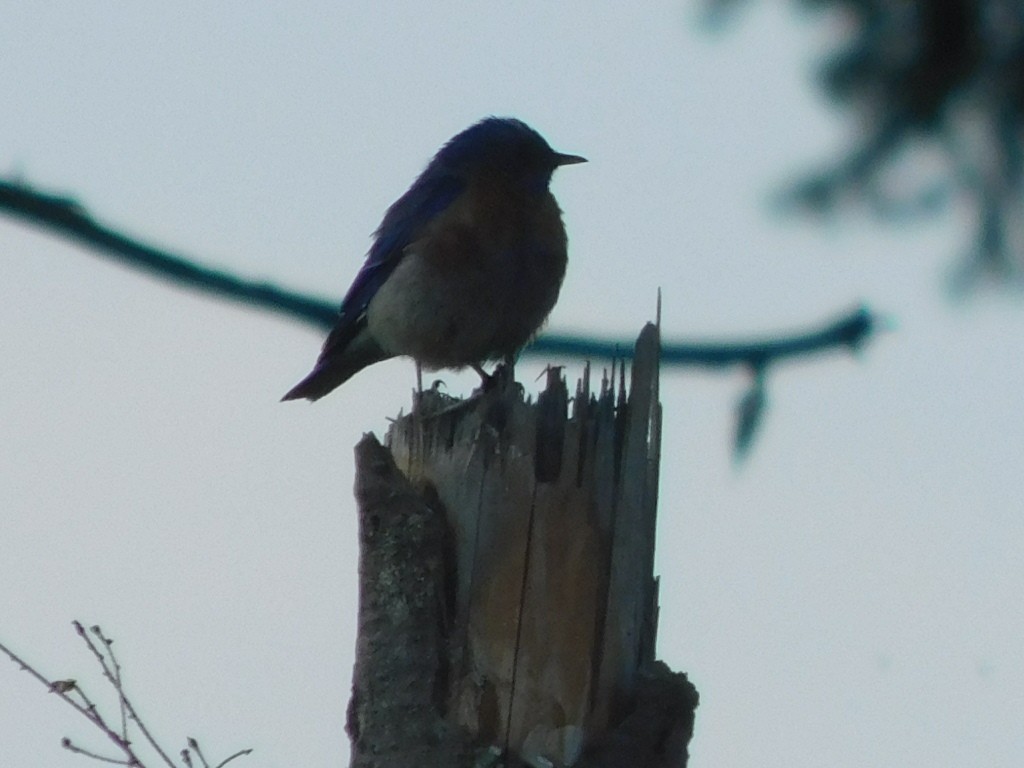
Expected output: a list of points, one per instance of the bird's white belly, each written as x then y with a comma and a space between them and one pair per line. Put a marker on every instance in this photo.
447, 319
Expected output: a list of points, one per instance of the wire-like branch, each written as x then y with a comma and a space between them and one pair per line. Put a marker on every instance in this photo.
67, 217
850, 331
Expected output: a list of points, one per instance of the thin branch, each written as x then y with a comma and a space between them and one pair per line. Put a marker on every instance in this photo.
118, 681
239, 753
850, 331
112, 671
194, 746
63, 689
100, 658
125, 703
70, 746
67, 217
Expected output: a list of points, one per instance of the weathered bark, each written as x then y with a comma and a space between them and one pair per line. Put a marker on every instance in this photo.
507, 593
395, 716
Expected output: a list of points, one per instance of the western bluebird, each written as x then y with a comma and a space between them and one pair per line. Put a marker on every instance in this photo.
465, 266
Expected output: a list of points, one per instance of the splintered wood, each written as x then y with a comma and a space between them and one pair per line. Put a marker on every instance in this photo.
550, 510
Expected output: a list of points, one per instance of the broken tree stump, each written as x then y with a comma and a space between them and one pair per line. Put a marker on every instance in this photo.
508, 606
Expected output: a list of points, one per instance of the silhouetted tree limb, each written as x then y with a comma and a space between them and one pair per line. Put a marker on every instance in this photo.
67, 217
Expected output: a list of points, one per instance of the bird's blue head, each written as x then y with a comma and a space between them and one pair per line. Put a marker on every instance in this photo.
505, 147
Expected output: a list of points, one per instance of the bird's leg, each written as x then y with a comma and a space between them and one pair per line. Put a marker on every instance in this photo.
509, 363
417, 394
486, 379
504, 373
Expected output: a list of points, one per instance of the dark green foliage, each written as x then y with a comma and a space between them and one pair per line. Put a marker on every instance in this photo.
944, 77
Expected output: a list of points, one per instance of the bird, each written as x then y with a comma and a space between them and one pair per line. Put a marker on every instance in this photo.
464, 268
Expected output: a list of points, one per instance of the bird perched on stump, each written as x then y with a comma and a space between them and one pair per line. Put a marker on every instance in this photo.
465, 266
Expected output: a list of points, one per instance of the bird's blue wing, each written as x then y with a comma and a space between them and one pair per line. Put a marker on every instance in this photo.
402, 225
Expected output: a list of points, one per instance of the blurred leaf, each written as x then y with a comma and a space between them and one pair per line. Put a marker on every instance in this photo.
749, 412
944, 73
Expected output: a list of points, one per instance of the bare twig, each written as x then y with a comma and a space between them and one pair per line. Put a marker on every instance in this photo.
71, 692
70, 746
125, 703
119, 684
194, 746
239, 753
63, 689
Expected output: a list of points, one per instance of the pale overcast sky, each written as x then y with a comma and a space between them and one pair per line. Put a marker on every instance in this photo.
850, 597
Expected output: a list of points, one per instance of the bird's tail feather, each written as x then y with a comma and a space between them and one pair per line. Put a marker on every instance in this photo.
336, 366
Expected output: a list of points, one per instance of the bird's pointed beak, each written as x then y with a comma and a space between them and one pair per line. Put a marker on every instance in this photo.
561, 159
